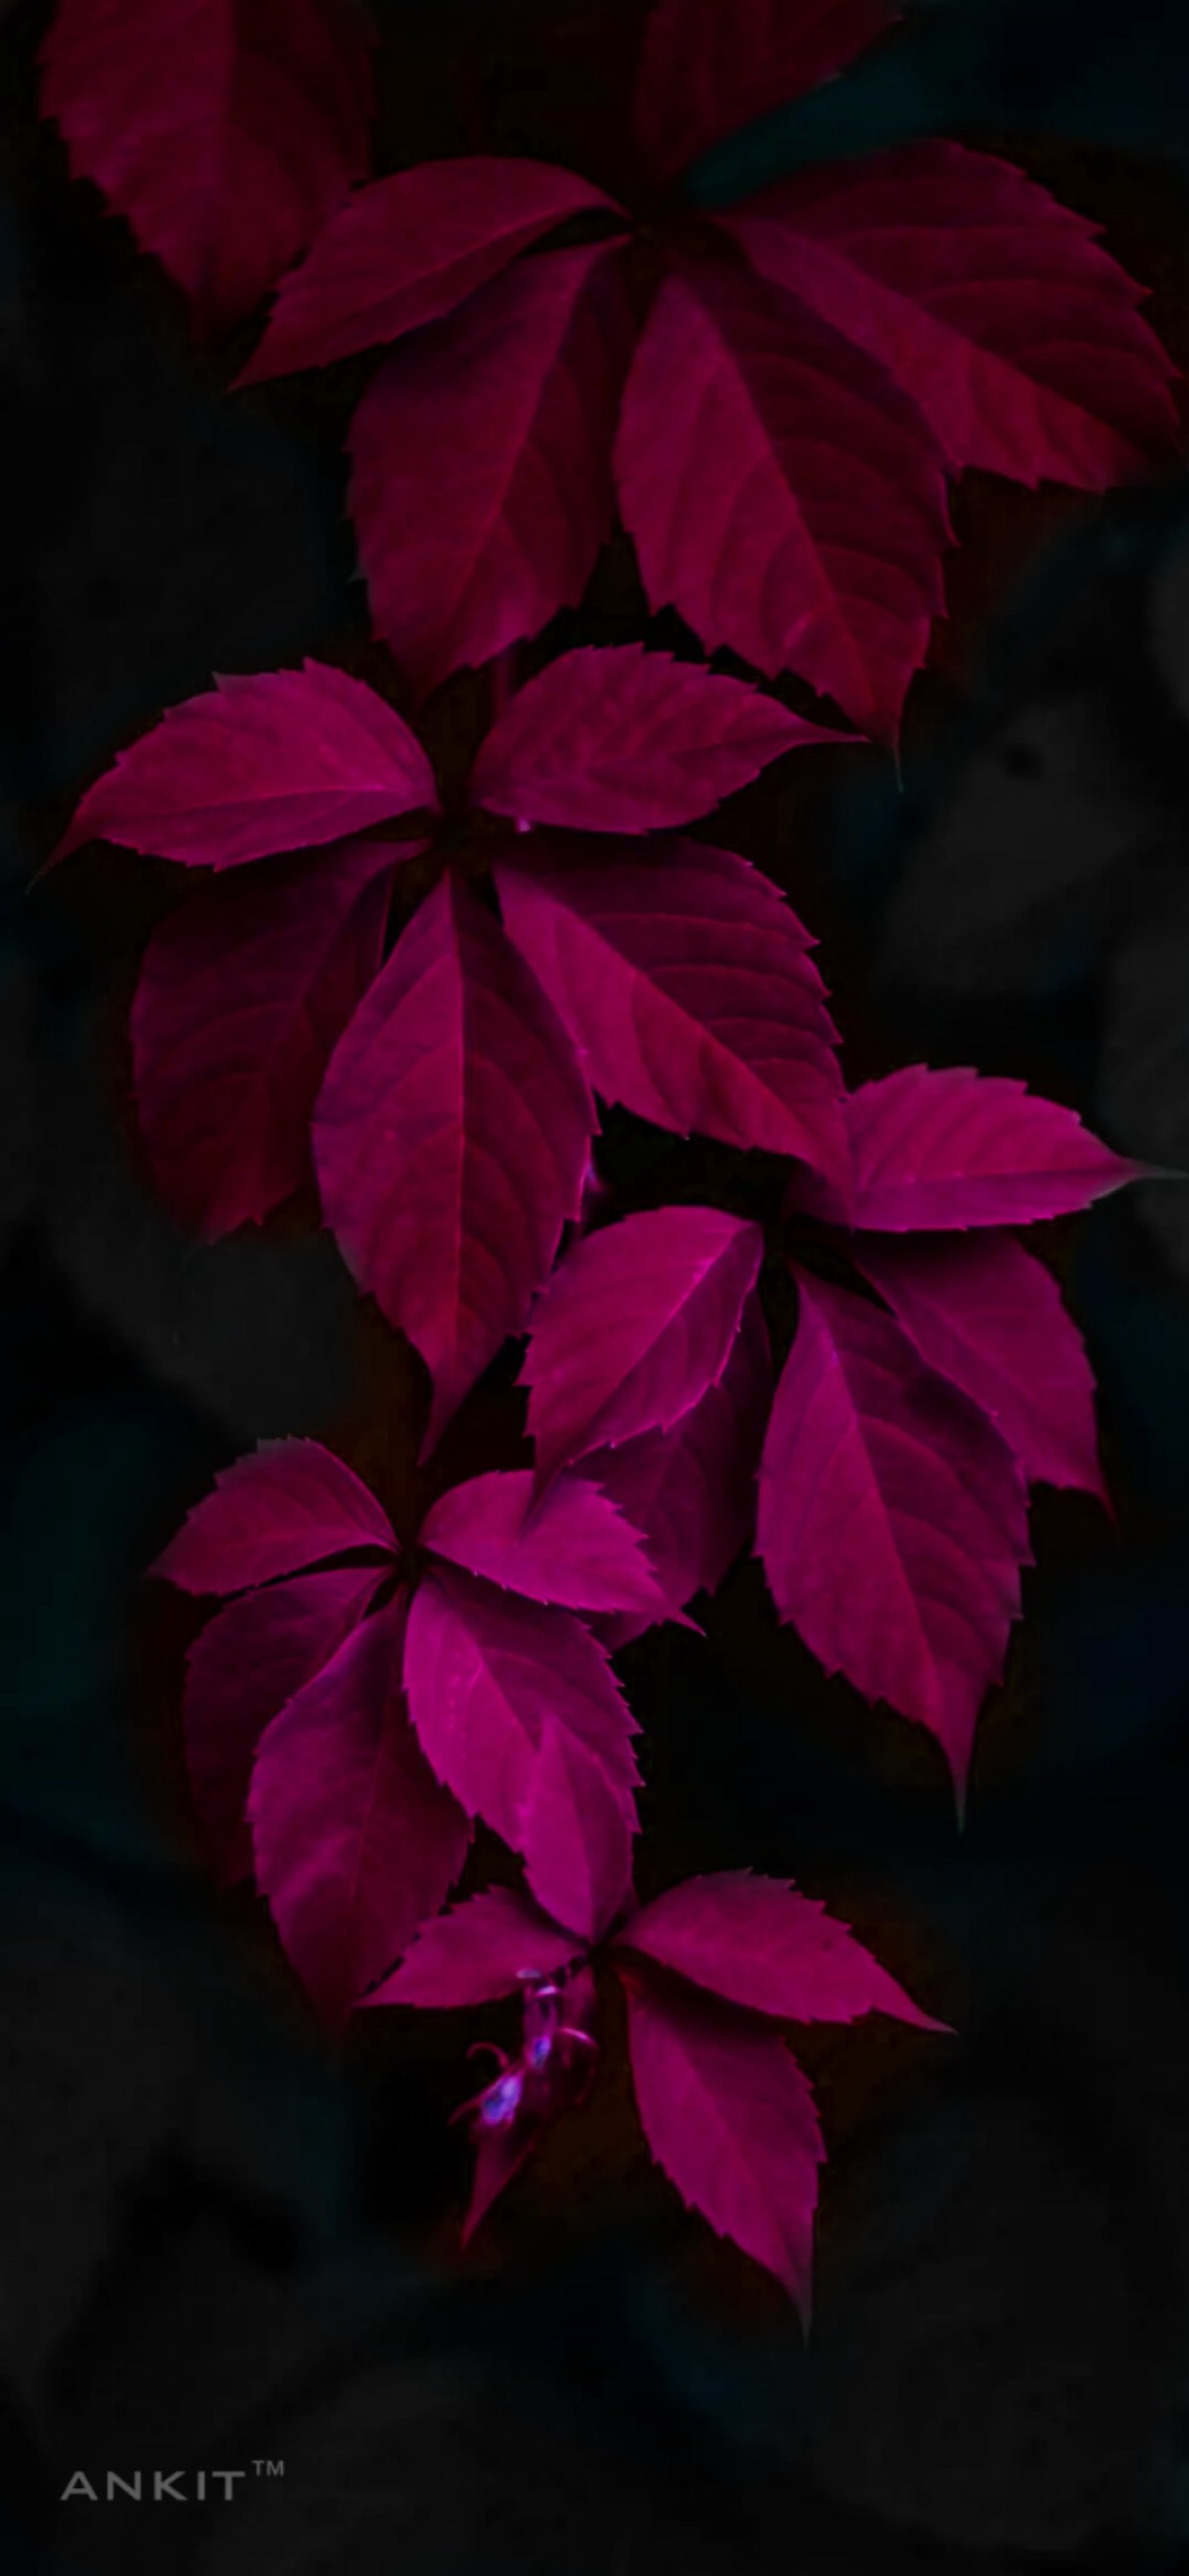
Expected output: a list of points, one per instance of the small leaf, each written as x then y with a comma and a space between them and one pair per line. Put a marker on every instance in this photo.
287, 1506
756, 1941
709, 66
476, 1952
574, 1548
957, 1148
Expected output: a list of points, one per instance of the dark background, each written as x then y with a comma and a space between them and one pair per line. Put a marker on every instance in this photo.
220, 2242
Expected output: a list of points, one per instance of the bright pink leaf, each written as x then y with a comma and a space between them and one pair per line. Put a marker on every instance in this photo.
478, 1951
988, 1316
451, 1140
687, 986
570, 1545
226, 131
957, 1148
757, 1941
287, 1506
892, 1522
739, 412
709, 66
521, 1716
356, 1843
620, 740
408, 250
482, 484
637, 1323
244, 992
729, 2117
271, 762
248, 1660
988, 302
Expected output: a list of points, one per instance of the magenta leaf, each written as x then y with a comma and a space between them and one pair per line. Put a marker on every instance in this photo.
248, 1660
988, 1316
729, 2117
740, 404
451, 1140
687, 986
521, 1716
989, 303
570, 1546
892, 1522
708, 66
756, 1941
637, 1323
620, 740
482, 484
244, 991
478, 1951
957, 1148
408, 250
289, 1505
225, 131
356, 1843
268, 763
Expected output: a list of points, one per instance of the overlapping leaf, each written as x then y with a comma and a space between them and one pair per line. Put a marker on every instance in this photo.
954, 1149
289, 1505
708, 66
479, 1950
570, 1545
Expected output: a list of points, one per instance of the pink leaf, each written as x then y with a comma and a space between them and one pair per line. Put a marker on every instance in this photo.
756, 1941
520, 1715
953, 1149
710, 66
476, 1952
729, 2117
573, 1548
482, 482
686, 984
258, 765
225, 131
244, 991
288, 1505
620, 740
892, 1523
356, 1843
408, 250
249, 1659
988, 1316
451, 1140
988, 302
739, 411
638, 1322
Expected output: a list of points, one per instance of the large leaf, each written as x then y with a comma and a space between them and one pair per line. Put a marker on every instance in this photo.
225, 130
757, 1941
570, 1545
289, 1505
708, 66
638, 1322
255, 766
892, 1522
451, 1140
408, 250
957, 1148
687, 986
991, 305
739, 410
482, 485
244, 991
478, 1951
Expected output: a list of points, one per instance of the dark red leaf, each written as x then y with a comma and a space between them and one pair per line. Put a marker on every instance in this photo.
956, 1148
570, 1545
756, 1941
709, 66
476, 1952
287, 1506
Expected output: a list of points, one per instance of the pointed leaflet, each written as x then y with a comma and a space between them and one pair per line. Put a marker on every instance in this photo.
225, 131
249, 1659
244, 991
782, 492
520, 1715
355, 1841
478, 1951
638, 1322
288, 1505
572, 1548
620, 740
892, 1523
709, 66
989, 303
482, 487
451, 1140
957, 1148
729, 2117
756, 1941
686, 984
987, 1315
408, 250
258, 765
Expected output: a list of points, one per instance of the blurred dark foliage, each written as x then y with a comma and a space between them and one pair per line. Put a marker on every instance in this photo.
219, 2242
